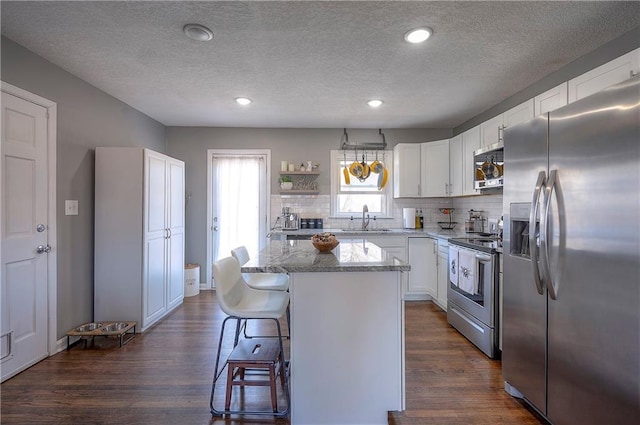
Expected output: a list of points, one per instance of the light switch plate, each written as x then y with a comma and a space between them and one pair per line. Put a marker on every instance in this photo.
70, 207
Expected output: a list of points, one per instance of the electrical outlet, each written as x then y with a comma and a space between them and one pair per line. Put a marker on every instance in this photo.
70, 207
493, 225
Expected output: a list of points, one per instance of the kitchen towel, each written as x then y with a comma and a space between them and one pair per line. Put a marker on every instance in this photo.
453, 264
467, 277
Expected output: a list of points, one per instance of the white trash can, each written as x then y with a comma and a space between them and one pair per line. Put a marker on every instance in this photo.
191, 280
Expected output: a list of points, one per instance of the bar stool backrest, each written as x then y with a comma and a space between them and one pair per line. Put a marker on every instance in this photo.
230, 285
240, 254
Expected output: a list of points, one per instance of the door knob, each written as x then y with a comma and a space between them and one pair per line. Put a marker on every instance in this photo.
215, 228
41, 249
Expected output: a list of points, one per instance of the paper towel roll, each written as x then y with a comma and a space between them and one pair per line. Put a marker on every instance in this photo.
409, 218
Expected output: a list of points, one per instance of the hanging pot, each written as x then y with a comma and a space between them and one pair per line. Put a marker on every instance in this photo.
366, 170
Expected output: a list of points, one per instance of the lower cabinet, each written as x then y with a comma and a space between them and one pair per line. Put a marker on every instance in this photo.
422, 279
443, 273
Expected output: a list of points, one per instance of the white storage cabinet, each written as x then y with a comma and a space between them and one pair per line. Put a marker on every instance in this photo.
139, 235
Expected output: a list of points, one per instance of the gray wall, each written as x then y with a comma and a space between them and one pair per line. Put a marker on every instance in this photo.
87, 118
190, 144
603, 54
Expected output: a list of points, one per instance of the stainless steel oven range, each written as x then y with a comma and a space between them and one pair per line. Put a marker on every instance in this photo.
473, 291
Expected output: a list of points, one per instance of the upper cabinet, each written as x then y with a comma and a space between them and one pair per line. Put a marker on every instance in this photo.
551, 99
606, 75
434, 169
491, 130
406, 170
455, 166
421, 170
518, 114
470, 142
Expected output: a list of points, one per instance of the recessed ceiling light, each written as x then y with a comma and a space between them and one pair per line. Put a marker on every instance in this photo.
243, 100
374, 103
418, 35
198, 32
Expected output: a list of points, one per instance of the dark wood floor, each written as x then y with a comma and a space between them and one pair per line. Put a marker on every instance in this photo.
164, 377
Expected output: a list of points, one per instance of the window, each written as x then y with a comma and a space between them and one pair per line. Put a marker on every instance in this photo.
347, 199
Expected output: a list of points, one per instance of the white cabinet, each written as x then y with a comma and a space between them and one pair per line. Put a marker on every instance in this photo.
139, 235
470, 142
422, 279
443, 274
491, 130
406, 170
518, 114
550, 100
613, 72
434, 169
456, 166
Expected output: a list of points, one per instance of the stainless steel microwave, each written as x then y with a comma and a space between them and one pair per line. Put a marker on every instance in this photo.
489, 166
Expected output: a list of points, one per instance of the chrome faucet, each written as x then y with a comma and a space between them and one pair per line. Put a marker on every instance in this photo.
365, 209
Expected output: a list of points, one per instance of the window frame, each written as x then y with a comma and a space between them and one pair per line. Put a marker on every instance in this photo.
336, 173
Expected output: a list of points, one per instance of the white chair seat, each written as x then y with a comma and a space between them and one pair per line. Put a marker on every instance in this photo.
261, 304
267, 281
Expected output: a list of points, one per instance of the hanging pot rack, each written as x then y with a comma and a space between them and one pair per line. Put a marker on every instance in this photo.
363, 146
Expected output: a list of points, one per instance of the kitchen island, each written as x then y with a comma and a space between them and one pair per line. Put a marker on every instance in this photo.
347, 330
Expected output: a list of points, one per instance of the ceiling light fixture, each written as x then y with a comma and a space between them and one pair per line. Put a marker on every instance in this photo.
418, 35
198, 32
374, 103
243, 100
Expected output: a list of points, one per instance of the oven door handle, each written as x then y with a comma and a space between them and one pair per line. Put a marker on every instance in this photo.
483, 258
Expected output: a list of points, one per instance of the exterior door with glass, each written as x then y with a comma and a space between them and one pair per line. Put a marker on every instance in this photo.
238, 202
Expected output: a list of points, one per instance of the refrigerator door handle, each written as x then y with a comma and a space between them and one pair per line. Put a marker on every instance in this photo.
544, 234
533, 213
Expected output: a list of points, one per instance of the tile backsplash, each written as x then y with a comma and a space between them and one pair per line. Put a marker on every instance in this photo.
319, 207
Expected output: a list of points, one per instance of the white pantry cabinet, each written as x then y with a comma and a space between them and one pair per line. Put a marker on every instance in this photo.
434, 169
406, 170
613, 72
139, 235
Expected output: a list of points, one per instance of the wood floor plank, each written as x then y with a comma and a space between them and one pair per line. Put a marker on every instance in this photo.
164, 377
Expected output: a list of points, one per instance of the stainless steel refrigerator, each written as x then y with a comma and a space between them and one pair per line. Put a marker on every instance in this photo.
571, 324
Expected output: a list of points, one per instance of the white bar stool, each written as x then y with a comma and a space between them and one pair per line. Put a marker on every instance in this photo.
262, 281
241, 302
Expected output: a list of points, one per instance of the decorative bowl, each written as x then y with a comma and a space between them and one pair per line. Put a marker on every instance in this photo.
325, 246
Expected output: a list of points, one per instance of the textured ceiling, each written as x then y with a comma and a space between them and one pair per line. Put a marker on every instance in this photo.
314, 64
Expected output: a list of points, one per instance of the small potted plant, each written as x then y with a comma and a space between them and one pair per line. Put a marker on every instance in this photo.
286, 183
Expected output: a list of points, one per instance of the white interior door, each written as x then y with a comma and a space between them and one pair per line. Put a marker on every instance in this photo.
25, 235
238, 199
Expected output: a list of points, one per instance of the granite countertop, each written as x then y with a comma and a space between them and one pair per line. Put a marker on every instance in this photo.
352, 255
434, 232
